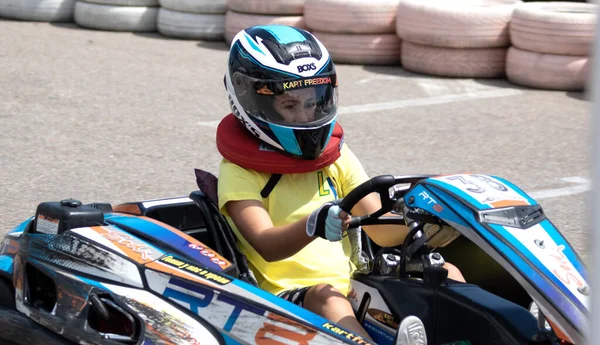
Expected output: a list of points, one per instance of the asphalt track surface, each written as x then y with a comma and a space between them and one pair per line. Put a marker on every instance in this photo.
116, 117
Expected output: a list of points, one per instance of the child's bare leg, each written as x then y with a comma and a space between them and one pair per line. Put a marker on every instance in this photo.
327, 301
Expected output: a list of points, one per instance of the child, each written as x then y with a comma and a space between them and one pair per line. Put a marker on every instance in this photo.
280, 177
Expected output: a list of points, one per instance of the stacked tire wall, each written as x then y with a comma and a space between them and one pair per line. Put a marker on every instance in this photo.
467, 38
356, 31
245, 13
38, 10
117, 15
537, 44
192, 19
551, 45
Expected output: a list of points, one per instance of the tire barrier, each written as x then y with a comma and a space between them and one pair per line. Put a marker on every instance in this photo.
552, 42
237, 21
356, 31
365, 49
38, 10
192, 19
547, 71
466, 38
119, 15
454, 62
268, 7
245, 13
539, 44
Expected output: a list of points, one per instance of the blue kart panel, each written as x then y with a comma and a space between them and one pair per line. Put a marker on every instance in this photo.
490, 212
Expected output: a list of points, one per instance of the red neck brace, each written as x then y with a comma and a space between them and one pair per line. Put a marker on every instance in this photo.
240, 147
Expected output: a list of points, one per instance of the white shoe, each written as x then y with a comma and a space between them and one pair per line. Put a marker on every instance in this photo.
411, 332
535, 310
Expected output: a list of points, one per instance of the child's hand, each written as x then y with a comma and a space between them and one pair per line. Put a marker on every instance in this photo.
328, 221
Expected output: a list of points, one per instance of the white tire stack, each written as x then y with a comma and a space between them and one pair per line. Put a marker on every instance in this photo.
356, 31
552, 42
38, 10
192, 19
462, 38
117, 15
242, 14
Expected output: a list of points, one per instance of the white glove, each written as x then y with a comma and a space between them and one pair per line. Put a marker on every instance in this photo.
326, 222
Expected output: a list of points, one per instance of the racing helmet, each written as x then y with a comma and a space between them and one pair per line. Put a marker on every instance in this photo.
282, 87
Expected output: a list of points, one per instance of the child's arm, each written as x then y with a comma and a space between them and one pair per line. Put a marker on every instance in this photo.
384, 235
279, 242
272, 243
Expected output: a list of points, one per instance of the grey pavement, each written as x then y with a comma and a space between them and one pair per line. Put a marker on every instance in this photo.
115, 117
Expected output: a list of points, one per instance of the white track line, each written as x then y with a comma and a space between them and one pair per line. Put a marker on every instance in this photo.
409, 103
417, 102
581, 186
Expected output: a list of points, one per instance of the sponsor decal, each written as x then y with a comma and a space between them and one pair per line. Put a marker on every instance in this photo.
379, 335
164, 323
218, 261
427, 198
355, 338
565, 271
208, 253
196, 246
203, 273
383, 317
485, 189
142, 251
279, 327
245, 321
265, 91
297, 84
307, 67
46, 225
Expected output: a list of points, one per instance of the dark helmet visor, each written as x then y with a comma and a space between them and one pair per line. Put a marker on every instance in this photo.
299, 102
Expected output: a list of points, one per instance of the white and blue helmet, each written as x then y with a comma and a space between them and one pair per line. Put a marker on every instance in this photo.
283, 88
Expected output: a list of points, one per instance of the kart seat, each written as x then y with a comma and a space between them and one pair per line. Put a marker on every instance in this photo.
207, 200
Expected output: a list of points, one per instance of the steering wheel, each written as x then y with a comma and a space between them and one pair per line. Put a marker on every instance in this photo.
382, 185
391, 199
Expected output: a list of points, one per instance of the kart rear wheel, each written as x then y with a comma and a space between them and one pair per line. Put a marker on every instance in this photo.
7, 294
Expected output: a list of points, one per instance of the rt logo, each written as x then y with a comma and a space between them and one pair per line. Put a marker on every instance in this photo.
308, 67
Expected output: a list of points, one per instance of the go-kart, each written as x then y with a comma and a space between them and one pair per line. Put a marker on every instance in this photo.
168, 271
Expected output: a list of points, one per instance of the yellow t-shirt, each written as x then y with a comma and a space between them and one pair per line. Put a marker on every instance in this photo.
294, 197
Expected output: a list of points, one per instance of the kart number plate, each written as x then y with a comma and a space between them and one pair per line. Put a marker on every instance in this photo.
485, 189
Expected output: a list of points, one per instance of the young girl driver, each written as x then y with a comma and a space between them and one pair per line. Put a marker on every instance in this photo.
286, 170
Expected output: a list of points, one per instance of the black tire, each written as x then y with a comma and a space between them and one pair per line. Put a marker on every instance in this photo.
7, 294
17, 329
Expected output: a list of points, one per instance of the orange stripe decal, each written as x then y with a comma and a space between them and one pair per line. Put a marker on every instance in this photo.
506, 203
127, 208
135, 250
